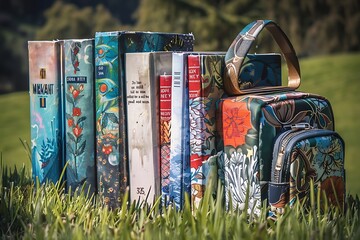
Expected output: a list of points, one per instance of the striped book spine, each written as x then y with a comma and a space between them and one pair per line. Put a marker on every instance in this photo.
165, 134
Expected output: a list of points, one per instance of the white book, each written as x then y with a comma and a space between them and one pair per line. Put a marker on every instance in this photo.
179, 146
142, 98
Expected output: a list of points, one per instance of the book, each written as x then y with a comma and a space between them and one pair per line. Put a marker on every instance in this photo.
165, 82
45, 110
142, 93
111, 139
179, 184
79, 105
205, 89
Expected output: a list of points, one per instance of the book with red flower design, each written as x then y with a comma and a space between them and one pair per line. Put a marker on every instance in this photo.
78, 68
205, 89
143, 72
45, 110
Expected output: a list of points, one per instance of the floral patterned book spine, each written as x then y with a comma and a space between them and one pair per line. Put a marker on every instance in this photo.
165, 133
78, 59
205, 89
179, 146
142, 94
110, 118
45, 110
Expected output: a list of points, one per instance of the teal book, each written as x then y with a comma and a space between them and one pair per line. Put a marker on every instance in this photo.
79, 106
45, 110
111, 129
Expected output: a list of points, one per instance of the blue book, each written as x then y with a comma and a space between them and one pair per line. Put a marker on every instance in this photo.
45, 110
111, 139
78, 59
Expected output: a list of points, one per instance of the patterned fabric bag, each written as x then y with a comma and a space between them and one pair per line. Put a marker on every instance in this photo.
251, 119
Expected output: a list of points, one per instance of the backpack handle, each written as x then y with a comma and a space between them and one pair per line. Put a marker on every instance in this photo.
236, 54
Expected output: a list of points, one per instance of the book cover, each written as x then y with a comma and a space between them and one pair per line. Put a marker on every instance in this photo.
45, 110
179, 144
142, 93
111, 139
165, 82
79, 105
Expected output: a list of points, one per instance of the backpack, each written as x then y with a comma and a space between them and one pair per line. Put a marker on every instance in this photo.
254, 123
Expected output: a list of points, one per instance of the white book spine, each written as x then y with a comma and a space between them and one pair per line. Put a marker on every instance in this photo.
142, 98
179, 147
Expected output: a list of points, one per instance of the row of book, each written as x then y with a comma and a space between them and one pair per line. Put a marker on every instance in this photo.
131, 109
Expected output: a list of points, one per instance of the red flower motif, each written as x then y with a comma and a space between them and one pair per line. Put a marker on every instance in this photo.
75, 93
81, 87
107, 149
77, 130
196, 161
71, 88
236, 123
76, 111
70, 122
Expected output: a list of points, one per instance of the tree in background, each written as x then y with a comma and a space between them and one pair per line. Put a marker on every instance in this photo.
66, 20
317, 26
314, 26
214, 23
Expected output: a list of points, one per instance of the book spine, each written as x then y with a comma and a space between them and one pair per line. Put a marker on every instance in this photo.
165, 134
110, 120
141, 121
45, 110
207, 70
197, 129
79, 113
179, 146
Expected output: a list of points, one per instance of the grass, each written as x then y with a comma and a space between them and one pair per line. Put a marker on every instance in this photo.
14, 125
31, 211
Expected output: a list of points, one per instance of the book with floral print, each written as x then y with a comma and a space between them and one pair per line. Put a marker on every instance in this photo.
79, 106
205, 90
45, 110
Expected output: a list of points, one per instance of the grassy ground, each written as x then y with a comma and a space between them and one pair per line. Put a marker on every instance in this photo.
14, 125
335, 77
46, 212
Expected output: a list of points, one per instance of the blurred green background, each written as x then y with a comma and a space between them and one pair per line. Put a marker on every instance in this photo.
325, 34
